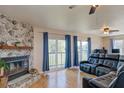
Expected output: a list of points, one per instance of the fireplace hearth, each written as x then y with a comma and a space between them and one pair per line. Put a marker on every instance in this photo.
18, 66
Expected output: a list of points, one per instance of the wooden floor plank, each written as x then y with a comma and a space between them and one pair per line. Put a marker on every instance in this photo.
68, 78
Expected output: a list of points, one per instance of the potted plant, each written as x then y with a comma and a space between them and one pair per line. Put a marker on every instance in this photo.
3, 68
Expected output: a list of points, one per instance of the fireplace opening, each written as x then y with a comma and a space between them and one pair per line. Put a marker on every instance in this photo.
18, 66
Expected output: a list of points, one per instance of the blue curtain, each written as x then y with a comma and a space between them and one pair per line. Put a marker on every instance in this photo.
89, 46
45, 52
67, 51
75, 60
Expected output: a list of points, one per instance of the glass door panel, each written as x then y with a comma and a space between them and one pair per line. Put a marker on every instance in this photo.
82, 50
61, 53
56, 54
52, 53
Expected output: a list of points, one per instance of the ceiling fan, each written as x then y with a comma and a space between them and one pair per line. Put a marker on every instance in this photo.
92, 9
107, 30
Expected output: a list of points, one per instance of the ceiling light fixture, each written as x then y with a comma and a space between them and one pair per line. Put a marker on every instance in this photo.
106, 30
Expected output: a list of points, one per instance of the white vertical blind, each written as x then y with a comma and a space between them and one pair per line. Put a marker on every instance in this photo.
119, 44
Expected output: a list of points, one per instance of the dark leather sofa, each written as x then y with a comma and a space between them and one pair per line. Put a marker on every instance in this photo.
100, 64
113, 79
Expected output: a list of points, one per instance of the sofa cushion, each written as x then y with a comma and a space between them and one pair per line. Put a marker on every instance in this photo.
111, 61
101, 58
102, 70
92, 68
84, 67
93, 58
102, 81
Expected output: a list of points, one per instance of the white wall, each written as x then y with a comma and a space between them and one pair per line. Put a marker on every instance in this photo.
53, 33
106, 41
38, 49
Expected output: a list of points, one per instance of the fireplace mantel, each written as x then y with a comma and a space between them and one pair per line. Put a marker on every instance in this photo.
16, 47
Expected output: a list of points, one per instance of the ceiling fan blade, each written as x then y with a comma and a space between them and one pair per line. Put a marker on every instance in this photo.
114, 31
92, 10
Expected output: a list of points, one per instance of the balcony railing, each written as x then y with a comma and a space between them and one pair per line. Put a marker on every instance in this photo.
56, 59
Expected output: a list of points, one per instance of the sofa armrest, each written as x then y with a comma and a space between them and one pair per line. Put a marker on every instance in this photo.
85, 82
84, 62
118, 82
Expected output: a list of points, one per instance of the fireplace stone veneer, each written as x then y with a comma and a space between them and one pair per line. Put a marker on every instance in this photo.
24, 81
18, 66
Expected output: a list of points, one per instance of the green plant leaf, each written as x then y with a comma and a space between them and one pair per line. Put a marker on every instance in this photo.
3, 64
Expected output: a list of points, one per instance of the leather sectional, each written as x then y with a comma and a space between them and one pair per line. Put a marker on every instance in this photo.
108, 68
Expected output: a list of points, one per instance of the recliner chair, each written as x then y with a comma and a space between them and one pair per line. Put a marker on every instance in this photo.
86, 65
99, 62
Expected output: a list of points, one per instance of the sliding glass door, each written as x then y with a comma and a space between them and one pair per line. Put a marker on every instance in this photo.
82, 50
56, 54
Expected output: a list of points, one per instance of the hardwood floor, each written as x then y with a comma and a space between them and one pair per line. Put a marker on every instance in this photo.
68, 78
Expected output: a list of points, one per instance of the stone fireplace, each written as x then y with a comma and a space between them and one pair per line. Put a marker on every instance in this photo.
18, 66
16, 48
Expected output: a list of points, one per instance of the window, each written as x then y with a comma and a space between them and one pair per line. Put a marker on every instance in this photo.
119, 44
61, 53
52, 53
56, 53
82, 50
